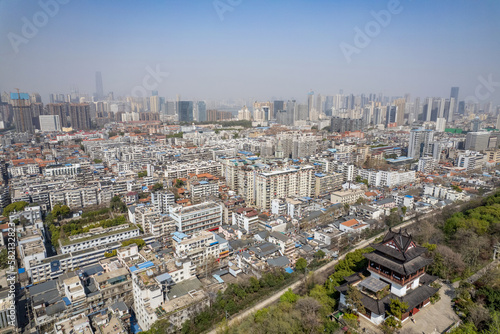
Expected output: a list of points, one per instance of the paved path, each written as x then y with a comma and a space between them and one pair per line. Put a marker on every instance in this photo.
275, 297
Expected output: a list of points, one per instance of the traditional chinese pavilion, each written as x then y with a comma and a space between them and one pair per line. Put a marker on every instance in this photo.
397, 271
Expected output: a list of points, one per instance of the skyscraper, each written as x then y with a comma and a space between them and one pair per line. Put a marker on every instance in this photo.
454, 94
390, 115
22, 112
278, 106
185, 111
99, 92
202, 111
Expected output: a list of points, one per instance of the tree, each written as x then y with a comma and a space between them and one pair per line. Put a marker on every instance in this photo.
139, 242
117, 204
159, 327
4, 259
158, 186
390, 325
141, 174
351, 320
179, 183
397, 308
97, 161
289, 297
403, 210
59, 211
393, 219
301, 265
16, 206
353, 300
319, 254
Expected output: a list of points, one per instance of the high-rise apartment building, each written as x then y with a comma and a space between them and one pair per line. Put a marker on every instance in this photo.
400, 111
294, 182
420, 144
154, 103
22, 112
80, 116
59, 109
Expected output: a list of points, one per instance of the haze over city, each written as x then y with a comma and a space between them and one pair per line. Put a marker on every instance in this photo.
249, 166
251, 49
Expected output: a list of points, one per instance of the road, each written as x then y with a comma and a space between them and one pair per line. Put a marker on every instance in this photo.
276, 296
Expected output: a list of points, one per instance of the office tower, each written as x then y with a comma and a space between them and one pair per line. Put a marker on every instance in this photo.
98, 86
390, 115
154, 93
498, 122
461, 107
454, 94
80, 116
154, 103
22, 112
50, 123
400, 111
185, 111
52, 98
420, 144
278, 105
476, 124
477, 141
202, 111
60, 110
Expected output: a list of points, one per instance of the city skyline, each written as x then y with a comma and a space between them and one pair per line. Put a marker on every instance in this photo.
252, 50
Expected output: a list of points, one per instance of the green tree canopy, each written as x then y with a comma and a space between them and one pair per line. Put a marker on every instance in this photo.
301, 265
16, 206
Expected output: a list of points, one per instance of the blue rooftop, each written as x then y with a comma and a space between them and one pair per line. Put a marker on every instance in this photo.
20, 96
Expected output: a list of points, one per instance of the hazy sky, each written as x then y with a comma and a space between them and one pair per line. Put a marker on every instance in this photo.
259, 49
